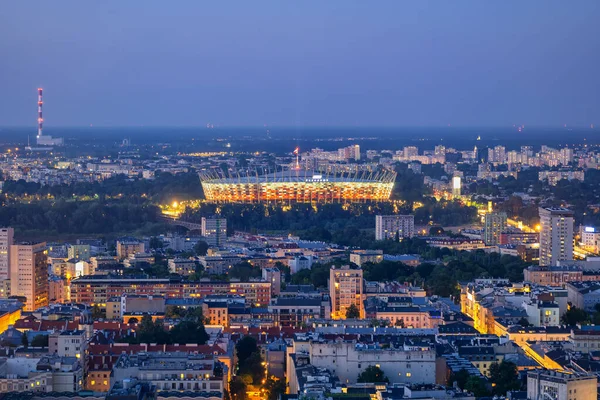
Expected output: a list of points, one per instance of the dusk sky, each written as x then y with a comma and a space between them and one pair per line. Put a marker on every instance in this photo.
304, 63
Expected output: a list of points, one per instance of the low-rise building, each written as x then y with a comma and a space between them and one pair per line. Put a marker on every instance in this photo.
182, 266
360, 257
553, 275
561, 385
294, 311
584, 295
219, 265
174, 371
410, 360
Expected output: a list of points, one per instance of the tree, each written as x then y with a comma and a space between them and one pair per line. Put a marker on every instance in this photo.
372, 374
145, 329
352, 312
399, 323
504, 377
244, 348
156, 243
201, 248
40, 341
575, 316
133, 320
524, 322
250, 360
188, 331
477, 386
244, 271
24, 340
461, 377
274, 388
237, 389
97, 313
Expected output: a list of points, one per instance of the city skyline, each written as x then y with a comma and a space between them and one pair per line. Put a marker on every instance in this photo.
394, 64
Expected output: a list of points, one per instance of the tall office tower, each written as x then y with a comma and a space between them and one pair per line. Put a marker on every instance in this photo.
387, 226
410, 151
566, 156
494, 225
29, 274
345, 289
556, 236
214, 231
6, 240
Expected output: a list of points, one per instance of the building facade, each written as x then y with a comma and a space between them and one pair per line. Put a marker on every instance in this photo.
214, 231
387, 226
29, 274
494, 225
6, 241
345, 289
556, 236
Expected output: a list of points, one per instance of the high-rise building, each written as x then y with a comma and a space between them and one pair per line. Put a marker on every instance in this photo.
556, 235
566, 156
494, 225
29, 274
456, 186
345, 289
6, 240
497, 155
214, 231
387, 226
349, 153
410, 151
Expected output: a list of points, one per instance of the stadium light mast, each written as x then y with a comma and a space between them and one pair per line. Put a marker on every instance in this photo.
297, 153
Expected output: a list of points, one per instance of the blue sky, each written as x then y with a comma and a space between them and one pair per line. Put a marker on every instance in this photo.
302, 63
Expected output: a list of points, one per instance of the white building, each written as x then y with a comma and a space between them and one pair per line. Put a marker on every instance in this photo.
556, 236
386, 226
560, 385
299, 263
541, 313
347, 359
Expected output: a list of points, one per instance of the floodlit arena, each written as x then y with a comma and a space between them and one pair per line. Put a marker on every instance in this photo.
298, 186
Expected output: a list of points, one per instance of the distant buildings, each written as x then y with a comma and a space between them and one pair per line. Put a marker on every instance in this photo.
494, 225
556, 235
345, 289
388, 226
29, 274
214, 231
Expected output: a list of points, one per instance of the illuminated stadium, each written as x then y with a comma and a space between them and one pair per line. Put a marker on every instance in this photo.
299, 186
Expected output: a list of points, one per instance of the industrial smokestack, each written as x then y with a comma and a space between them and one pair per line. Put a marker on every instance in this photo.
40, 119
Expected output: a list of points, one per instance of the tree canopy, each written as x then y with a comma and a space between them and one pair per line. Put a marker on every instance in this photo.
372, 374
